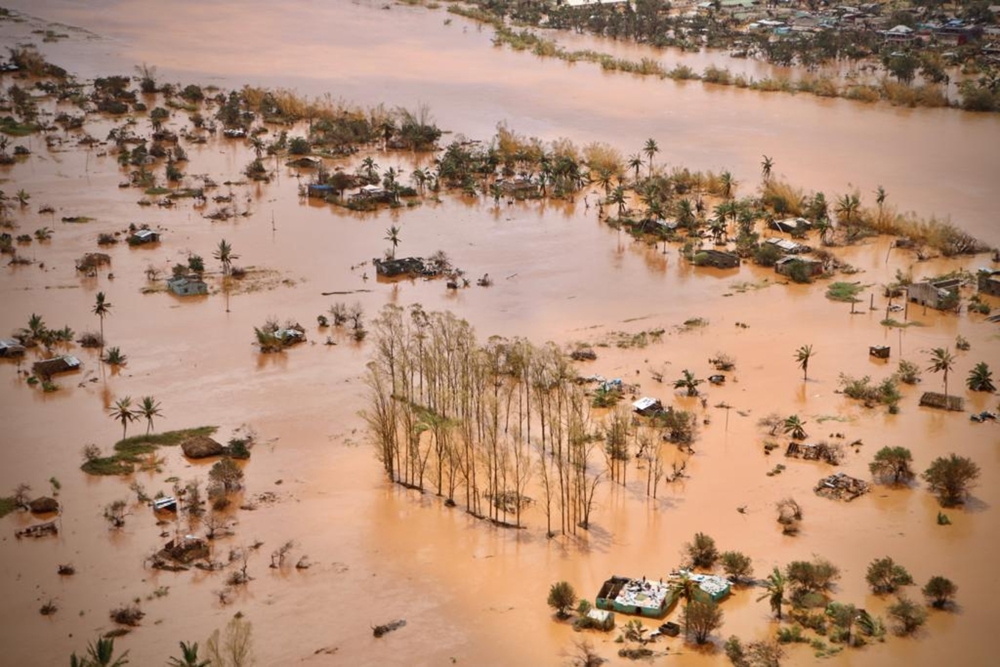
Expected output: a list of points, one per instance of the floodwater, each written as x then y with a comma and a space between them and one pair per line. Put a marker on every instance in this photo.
471, 593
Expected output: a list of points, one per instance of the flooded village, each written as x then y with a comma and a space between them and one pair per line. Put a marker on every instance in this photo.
357, 333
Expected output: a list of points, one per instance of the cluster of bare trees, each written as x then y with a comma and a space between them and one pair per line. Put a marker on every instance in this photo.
481, 420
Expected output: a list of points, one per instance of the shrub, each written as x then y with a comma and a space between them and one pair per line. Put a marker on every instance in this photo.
816, 576
701, 617
766, 255
951, 478
702, 551
909, 372
908, 615
561, 597
885, 576
892, 463
737, 566
939, 591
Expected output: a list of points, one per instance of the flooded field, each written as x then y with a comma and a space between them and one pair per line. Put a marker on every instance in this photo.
472, 593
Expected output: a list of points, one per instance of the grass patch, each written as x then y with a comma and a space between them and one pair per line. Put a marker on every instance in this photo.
742, 286
13, 128
7, 505
846, 292
158, 191
130, 451
833, 418
896, 324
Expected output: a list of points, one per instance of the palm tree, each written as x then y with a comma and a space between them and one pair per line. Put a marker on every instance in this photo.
942, 360
795, 427
419, 178
728, 184
650, 149
766, 165
685, 213
22, 197
189, 653
880, 200
100, 654
802, 356
775, 587
258, 145
121, 411
847, 207
224, 253
370, 168
635, 162
688, 383
718, 229
36, 327
618, 197
102, 308
148, 409
686, 587
981, 378
392, 236
605, 178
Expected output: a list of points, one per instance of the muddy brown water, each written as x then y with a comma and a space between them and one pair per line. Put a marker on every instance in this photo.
468, 591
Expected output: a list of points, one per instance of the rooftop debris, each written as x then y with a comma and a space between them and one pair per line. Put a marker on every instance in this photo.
821, 451
841, 486
407, 266
386, 628
38, 530
184, 550
10, 347
879, 351
933, 399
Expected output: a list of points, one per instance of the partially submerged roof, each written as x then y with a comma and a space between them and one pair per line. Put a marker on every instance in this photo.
645, 403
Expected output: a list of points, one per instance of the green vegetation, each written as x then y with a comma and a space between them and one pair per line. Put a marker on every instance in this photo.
7, 505
130, 452
846, 292
908, 615
940, 591
950, 478
561, 597
893, 463
885, 576
702, 551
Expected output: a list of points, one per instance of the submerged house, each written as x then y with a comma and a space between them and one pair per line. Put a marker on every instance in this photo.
989, 282
716, 258
791, 225
187, 285
641, 597
46, 368
11, 347
939, 294
647, 405
786, 246
785, 266
141, 236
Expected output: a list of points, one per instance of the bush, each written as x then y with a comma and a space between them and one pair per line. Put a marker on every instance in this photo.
908, 615
299, 146
701, 617
561, 597
702, 551
766, 255
815, 577
737, 566
892, 463
885, 576
951, 478
939, 591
